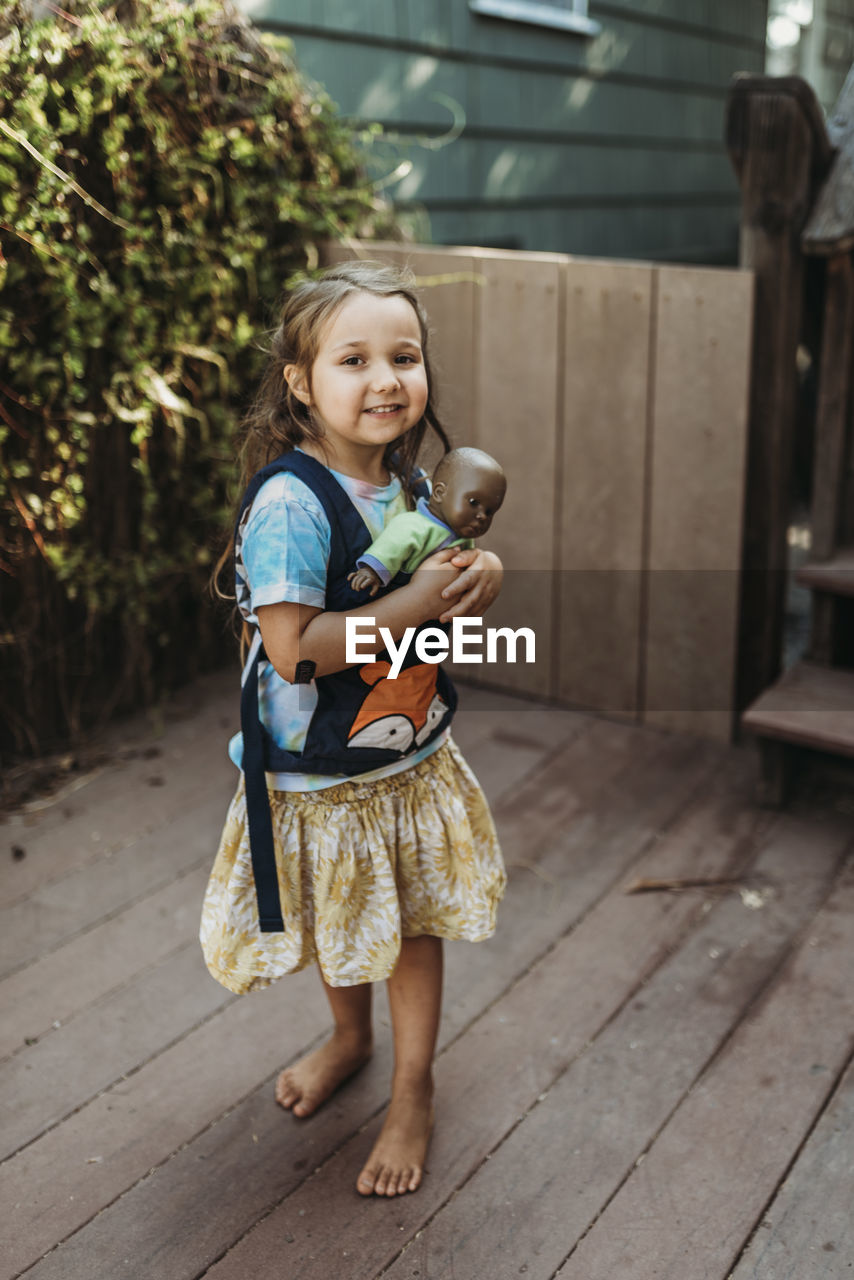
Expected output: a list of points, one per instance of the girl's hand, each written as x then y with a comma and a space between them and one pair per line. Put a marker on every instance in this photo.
429, 581
474, 590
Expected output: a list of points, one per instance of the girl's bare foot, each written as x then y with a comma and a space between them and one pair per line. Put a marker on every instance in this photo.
305, 1086
396, 1164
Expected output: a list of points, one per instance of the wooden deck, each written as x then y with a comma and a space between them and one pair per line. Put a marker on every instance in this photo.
631, 1085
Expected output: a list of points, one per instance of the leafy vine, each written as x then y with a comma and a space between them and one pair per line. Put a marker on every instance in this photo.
164, 171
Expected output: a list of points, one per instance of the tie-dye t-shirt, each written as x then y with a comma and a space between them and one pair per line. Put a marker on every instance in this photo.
281, 553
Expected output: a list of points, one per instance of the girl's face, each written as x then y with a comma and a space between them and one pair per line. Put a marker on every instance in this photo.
368, 383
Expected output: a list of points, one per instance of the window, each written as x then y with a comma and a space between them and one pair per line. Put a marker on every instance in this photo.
559, 15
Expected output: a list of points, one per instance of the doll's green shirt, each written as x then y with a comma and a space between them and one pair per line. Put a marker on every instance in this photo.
406, 540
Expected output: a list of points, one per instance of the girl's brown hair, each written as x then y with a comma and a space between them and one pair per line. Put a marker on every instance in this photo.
278, 421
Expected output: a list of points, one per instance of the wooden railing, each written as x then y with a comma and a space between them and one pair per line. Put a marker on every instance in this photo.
797, 234
615, 395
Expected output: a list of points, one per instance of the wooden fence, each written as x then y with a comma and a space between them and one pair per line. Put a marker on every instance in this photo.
615, 396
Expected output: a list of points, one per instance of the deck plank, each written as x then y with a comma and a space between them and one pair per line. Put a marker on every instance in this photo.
566, 783
810, 706
67, 907
56, 1184
482, 709
146, 860
96, 960
474, 980
808, 1230
182, 1162
561, 1165
484, 1081
152, 777
683, 1213
57, 1075
60, 984
55, 986
584, 853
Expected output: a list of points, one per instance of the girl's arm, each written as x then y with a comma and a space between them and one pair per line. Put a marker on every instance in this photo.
295, 633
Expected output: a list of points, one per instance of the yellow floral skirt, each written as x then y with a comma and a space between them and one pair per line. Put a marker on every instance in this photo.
361, 865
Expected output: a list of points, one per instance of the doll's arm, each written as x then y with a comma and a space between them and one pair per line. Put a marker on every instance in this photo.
400, 545
364, 577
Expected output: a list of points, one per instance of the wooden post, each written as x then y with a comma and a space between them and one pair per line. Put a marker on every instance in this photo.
831, 416
830, 234
779, 148
830, 440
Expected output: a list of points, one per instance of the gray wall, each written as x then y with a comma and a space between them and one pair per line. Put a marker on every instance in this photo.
608, 145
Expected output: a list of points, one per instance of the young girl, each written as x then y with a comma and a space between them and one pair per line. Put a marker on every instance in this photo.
358, 837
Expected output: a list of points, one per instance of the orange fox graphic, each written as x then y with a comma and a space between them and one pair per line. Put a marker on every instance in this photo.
397, 712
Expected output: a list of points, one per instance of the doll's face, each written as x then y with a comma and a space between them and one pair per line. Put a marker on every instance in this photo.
468, 499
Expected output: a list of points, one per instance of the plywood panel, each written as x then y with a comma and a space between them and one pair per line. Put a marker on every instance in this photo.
448, 284
702, 354
602, 483
518, 420
663, 495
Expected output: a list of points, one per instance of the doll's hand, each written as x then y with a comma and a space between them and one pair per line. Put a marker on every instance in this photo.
364, 577
475, 589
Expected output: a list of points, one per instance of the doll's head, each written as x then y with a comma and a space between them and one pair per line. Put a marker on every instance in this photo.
468, 489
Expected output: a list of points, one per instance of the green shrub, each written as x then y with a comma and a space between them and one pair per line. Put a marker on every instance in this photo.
163, 172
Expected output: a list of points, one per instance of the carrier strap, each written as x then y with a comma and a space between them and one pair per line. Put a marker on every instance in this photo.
346, 526
258, 816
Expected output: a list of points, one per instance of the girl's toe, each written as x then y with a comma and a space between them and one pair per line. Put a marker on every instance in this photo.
286, 1094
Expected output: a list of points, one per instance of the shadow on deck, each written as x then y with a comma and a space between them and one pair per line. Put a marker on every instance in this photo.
630, 1084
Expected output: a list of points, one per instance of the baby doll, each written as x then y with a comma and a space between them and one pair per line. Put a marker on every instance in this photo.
468, 488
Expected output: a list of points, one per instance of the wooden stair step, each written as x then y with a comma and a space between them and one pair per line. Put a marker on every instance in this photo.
811, 706
835, 576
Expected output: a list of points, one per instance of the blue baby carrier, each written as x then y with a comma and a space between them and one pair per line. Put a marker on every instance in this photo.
427, 697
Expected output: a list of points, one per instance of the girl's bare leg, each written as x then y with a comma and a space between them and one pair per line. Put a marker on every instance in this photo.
396, 1164
306, 1085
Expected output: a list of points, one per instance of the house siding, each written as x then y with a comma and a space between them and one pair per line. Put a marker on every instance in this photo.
607, 145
